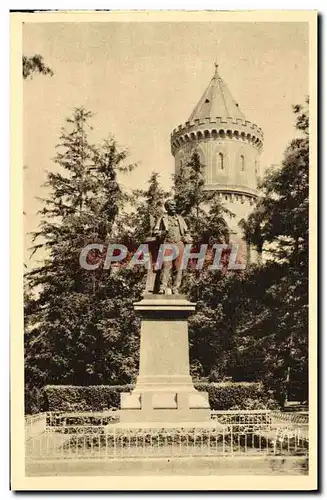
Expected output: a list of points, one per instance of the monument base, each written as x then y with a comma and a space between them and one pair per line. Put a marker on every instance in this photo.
168, 406
164, 390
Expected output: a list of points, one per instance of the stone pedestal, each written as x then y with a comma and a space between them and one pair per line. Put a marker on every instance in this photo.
164, 391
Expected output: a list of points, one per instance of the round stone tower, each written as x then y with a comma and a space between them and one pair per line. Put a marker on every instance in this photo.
228, 145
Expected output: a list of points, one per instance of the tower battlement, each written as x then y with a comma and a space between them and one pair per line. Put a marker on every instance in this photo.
218, 120
217, 128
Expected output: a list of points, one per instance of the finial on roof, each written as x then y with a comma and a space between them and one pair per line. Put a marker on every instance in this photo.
216, 59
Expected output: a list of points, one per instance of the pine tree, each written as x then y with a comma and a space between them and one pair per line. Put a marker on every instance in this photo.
81, 328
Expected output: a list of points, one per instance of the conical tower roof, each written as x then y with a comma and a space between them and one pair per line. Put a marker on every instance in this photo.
216, 101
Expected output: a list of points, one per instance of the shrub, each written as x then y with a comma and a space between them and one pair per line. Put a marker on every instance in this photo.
222, 396
84, 398
34, 400
237, 395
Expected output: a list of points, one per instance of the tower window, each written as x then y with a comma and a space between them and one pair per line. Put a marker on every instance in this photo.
221, 161
242, 163
256, 167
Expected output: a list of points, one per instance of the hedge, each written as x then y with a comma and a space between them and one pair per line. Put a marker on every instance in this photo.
83, 398
237, 395
222, 396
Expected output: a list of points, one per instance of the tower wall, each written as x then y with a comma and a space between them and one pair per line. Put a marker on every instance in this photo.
227, 163
232, 168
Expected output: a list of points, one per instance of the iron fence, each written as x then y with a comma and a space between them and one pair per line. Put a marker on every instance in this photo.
92, 435
35, 425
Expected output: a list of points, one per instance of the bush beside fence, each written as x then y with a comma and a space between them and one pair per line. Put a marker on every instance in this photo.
84, 398
237, 396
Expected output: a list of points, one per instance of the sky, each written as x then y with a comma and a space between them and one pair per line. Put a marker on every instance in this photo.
141, 80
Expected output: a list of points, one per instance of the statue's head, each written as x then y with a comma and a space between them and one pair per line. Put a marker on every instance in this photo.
170, 207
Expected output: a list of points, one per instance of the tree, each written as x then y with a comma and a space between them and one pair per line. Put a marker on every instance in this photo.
35, 64
282, 210
281, 220
253, 324
81, 325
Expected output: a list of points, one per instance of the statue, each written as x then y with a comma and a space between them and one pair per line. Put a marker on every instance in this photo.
170, 228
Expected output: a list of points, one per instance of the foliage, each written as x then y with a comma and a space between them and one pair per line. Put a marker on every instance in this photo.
83, 398
34, 400
35, 64
275, 295
80, 325
253, 325
237, 396
281, 214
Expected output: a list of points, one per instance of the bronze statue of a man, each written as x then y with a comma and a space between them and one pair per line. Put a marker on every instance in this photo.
171, 228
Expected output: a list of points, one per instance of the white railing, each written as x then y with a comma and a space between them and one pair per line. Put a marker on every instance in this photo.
35, 424
110, 442
69, 435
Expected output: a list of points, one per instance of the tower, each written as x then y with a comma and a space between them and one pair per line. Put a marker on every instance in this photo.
229, 147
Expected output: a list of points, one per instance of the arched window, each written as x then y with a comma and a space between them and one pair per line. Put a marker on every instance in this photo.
242, 163
221, 165
256, 167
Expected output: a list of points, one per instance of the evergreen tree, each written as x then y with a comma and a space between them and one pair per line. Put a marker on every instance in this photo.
81, 328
